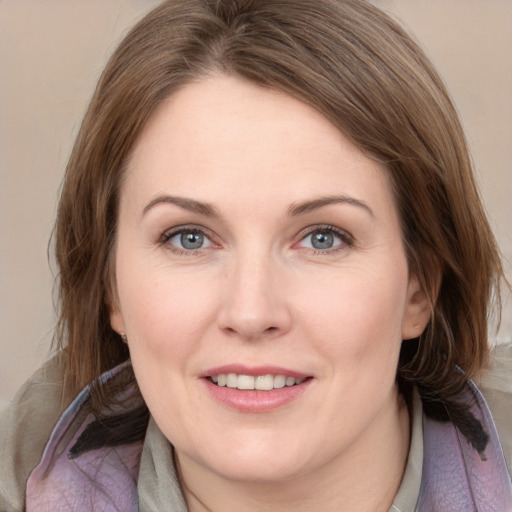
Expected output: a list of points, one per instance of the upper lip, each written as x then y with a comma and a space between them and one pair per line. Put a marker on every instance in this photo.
254, 371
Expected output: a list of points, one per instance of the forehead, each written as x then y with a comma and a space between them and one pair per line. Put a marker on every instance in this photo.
224, 138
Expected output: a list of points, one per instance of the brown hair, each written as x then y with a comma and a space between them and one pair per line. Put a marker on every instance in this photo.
358, 68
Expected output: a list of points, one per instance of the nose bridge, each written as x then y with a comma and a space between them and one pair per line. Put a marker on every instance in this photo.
254, 304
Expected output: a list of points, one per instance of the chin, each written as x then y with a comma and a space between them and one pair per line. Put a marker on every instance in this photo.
260, 460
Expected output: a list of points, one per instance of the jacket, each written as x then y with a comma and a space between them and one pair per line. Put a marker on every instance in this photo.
72, 475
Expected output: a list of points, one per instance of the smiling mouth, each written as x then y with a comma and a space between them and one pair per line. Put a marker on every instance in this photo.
258, 383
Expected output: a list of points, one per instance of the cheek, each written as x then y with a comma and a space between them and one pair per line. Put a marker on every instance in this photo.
357, 319
167, 322
164, 316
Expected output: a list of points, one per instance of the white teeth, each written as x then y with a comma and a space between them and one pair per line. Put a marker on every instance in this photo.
248, 382
279, 381
290, 381
245, 382
231, 380
264, 382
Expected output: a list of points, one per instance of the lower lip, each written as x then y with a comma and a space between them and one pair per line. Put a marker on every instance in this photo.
256, 401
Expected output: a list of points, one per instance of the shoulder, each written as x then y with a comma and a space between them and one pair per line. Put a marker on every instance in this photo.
25, 426
495, 383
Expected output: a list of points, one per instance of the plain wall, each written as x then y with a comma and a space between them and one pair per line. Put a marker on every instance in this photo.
51, 54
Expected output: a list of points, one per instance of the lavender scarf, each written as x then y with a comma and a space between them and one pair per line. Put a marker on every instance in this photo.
456, 478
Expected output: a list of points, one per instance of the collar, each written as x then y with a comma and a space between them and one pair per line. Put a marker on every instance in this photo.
443, 471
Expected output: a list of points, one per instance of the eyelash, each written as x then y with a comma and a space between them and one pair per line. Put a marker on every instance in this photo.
169, 235
347, 240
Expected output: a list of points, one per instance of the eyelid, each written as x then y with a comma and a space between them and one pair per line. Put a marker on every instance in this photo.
170, 233
347, 240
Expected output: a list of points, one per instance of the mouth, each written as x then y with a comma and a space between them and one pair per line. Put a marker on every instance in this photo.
254, 382
252, 389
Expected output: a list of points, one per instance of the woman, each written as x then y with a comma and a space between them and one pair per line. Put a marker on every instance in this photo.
275, 275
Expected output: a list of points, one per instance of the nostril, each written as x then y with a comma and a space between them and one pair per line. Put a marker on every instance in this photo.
251, 320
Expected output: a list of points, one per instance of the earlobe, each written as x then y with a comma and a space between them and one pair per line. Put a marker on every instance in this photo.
417, 311
116, 318
117, 323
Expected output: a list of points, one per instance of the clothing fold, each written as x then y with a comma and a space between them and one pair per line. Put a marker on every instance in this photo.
444, 472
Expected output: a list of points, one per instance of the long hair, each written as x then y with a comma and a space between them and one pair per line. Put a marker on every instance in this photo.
364, 73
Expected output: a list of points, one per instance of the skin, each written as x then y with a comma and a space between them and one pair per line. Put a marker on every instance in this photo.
258, 293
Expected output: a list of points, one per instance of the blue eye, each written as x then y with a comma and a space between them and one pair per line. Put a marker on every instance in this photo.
188, 240
322, 240
325, 239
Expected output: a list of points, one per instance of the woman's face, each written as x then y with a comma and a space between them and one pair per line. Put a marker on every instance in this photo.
258, 248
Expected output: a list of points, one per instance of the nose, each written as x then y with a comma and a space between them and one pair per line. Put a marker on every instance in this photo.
255, 305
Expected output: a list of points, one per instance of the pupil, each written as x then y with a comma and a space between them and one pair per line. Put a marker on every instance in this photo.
191, 240
322, 240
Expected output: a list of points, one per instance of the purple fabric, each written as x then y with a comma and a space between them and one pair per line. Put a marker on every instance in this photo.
455, 477
101, 480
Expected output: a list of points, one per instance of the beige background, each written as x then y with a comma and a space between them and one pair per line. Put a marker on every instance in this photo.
51, 54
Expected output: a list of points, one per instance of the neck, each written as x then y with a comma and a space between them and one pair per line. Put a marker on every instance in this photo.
364, 478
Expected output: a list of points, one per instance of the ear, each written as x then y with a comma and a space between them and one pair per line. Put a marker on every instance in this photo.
116, 317
117, 322
417, 310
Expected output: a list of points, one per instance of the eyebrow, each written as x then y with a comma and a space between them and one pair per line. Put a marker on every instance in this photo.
185, 203
315, 204
295, 209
